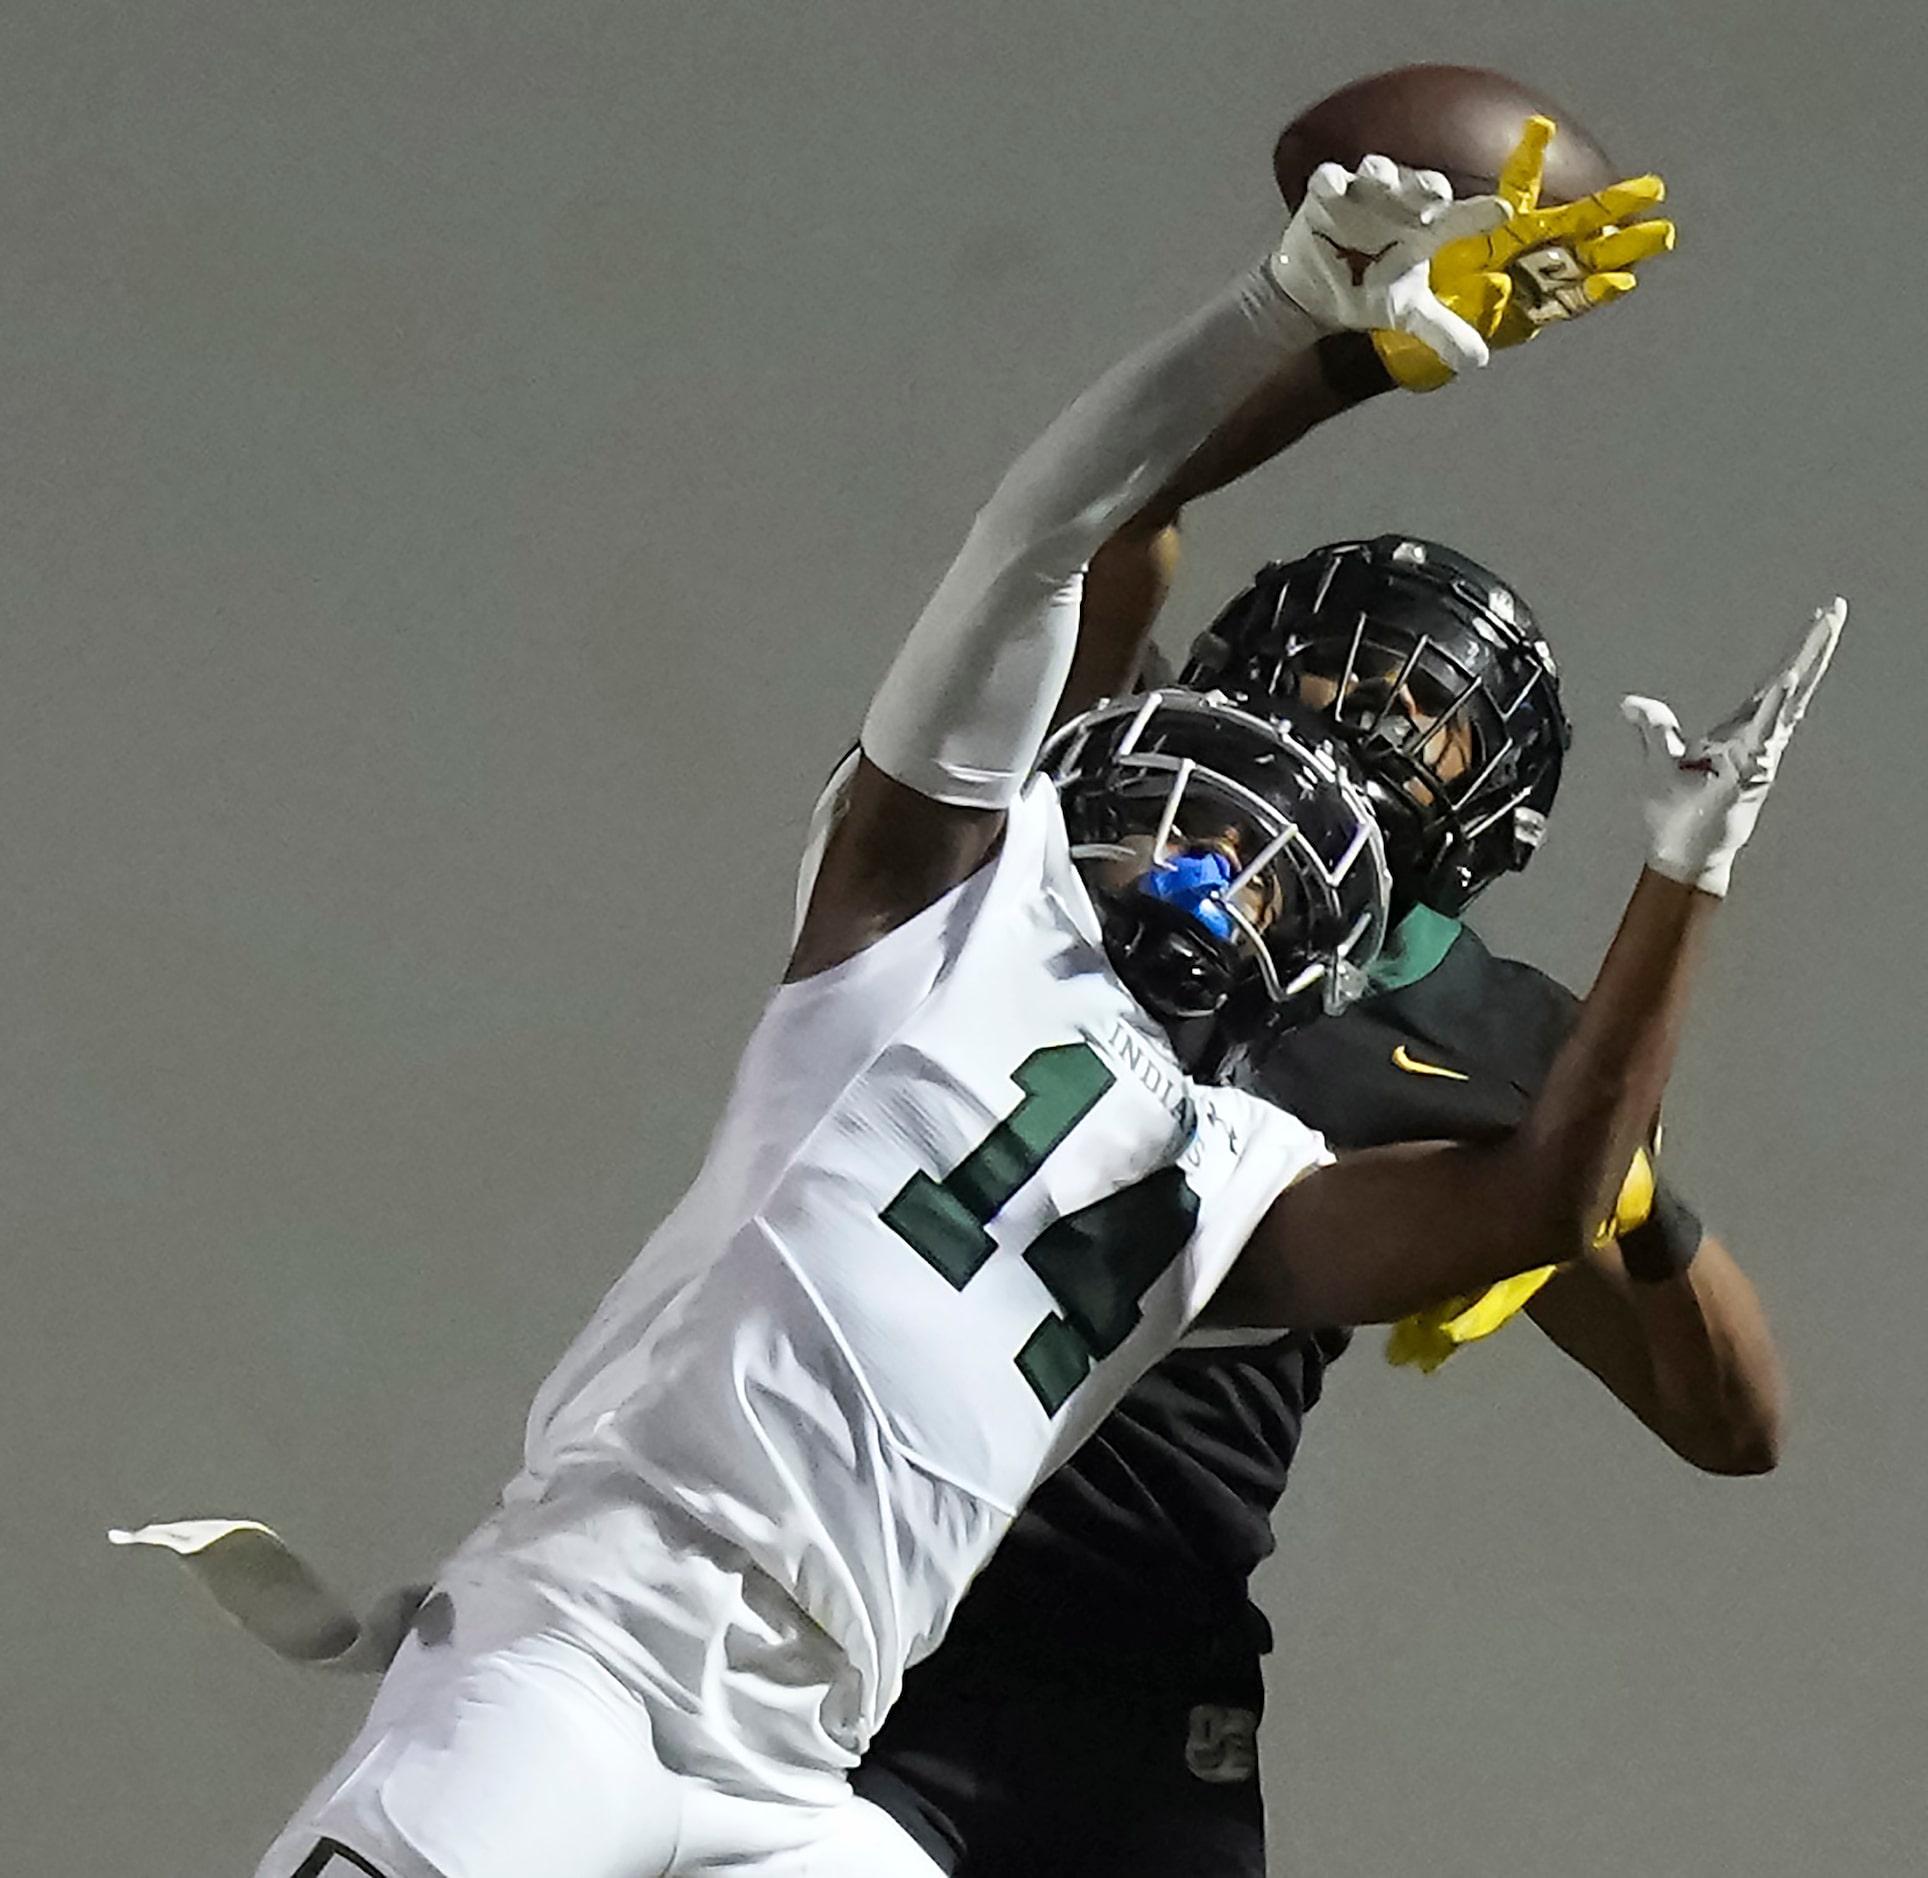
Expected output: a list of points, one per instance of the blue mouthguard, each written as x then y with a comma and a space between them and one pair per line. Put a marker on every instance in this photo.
1193, 883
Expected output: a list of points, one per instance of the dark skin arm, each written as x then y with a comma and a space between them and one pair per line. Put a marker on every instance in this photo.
1692, 1356
1387, 1231
1391, 1230
1124, 590
1343, 1245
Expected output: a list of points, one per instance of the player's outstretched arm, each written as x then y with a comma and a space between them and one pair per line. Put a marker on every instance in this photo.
1377, 1235
1129, 577
1688, 1350
1125, 588
955, 728
1389, 1231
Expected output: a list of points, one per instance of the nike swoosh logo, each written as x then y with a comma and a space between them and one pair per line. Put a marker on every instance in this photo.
1418, 1068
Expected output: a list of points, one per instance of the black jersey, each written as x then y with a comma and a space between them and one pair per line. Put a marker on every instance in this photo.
1133, 1560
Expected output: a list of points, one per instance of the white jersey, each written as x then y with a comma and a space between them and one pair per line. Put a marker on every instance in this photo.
961, 1196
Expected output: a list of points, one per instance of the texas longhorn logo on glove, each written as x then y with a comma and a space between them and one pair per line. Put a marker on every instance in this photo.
1540, 266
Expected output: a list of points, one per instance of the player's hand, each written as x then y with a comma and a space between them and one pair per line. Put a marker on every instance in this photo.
1356, 256
1540, 266
1703, 798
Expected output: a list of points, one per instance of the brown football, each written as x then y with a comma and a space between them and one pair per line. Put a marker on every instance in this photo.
1457, 119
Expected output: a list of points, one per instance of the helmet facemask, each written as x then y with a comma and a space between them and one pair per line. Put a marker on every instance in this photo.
1237, 870
1435, 675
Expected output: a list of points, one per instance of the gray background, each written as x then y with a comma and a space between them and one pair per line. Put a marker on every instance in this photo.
464, 467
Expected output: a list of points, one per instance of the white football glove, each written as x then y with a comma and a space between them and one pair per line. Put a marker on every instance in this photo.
1357, 256
1704, 798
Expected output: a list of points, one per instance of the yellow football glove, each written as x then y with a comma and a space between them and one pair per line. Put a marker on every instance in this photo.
1540, 266
1426, 1339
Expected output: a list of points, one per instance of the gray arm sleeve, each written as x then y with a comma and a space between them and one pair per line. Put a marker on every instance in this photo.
960, 715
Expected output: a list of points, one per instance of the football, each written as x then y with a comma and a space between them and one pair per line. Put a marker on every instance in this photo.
1458, 119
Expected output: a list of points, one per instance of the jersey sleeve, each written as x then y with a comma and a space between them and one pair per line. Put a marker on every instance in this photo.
816, 837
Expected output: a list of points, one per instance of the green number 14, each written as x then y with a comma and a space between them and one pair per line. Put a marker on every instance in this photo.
1097, 1263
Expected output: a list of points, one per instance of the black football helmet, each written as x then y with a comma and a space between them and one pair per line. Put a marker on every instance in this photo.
1234, 860
1433, 671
